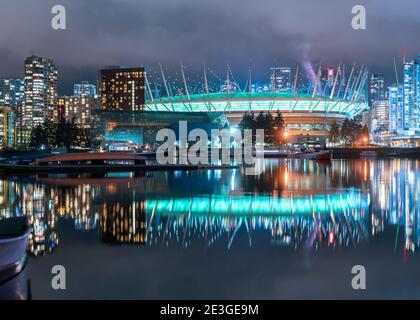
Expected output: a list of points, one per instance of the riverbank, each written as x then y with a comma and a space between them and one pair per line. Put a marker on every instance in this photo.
381, 152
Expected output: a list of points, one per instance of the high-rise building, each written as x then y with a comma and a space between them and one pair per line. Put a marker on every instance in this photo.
380, 114
396, 107
40, 91
84, 89
281, 79
77, 109
7, 127
417, 106
410, 95
376, 88
11, 91
122, 88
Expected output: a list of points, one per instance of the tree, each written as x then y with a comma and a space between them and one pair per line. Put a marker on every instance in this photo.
39, 137
248, 121
67, 134
352, 131
280, 127
365, 134
84, 138
266, 122
334, 133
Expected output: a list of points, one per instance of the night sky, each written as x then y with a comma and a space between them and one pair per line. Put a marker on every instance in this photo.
215, 32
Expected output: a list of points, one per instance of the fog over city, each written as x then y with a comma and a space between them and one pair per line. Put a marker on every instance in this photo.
215, 32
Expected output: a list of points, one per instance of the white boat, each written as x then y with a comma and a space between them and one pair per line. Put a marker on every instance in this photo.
14, 234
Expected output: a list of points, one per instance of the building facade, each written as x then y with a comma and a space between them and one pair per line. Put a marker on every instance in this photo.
380, 116
376, 88
7, 127
122, 88
77, 109
11, 91
410, 95
396, 108
40, 91
84, 89
281, 79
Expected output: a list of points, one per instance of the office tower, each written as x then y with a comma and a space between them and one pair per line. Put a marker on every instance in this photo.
40, 91
281, 79
380, 113
84, 89
11, 91
396, 107
376, 88
409, 95
77, 109
417, 106
122, 88
7, 127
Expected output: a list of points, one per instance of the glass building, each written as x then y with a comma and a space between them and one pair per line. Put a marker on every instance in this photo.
11, 91
409, 95
381, 115
417, 106
84, 89
40, 91
396, 107
376, 88
140, 127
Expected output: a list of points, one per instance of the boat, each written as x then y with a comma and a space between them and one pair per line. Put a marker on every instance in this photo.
99, 162
14, 233
14, 284
323, 155
276, 153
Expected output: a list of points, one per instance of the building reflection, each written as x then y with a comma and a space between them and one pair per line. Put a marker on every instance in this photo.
299, 203
123, 223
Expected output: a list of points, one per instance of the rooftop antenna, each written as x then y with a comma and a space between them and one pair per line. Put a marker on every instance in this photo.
296, 78
249, 79
357, 83
185, 82
148, 86
164, 81
335, 81
227, 80
348, 82
273, 77
206, 84
396, 73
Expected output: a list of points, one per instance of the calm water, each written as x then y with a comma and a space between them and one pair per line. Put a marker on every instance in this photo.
293, 232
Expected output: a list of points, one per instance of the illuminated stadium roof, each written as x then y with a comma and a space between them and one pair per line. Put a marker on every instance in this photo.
256, 102
259, 204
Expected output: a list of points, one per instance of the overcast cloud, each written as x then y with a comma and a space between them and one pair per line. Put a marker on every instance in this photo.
214, 32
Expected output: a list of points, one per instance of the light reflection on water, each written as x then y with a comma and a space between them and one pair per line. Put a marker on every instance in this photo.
301, 204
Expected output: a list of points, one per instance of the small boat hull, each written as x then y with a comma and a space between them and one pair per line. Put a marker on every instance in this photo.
14, 234
321, 155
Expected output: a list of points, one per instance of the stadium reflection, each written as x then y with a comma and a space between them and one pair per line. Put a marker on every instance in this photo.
301, 204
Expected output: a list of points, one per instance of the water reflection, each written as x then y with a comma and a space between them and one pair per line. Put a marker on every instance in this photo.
297, 203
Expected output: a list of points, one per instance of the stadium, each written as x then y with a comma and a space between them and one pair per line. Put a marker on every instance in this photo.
308, 106
303, 114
